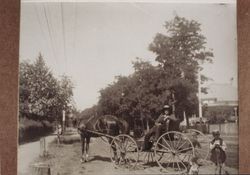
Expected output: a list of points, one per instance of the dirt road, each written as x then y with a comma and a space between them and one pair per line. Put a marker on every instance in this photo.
65, 160
27, 153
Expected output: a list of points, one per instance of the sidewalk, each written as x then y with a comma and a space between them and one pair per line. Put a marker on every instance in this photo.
27, 153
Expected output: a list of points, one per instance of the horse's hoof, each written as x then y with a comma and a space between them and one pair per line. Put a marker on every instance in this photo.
87, 158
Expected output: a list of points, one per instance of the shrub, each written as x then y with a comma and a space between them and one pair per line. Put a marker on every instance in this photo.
31, 129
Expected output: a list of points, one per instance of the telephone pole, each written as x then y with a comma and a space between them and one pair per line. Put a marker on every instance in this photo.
199, 93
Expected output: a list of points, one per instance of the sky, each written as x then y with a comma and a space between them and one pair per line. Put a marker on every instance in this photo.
94, 42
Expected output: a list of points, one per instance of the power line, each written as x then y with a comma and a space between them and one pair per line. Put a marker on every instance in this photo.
74, 29
56, 45
64, 47
41, 28
49, 29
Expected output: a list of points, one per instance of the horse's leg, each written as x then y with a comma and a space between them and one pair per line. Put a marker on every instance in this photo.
83, 148
87, 148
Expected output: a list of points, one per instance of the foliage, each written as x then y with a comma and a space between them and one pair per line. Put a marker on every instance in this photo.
218, 114
179, 54
42, 96
31, 129
88, 112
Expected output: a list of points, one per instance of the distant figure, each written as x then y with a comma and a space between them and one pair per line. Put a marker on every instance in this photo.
59, 129
196, 144
59, 133
194, 166
162, 123
218, 154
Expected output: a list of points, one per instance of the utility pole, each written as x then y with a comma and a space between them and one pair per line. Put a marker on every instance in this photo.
63, 120
199, 94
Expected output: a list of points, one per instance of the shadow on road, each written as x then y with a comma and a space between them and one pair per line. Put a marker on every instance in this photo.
101, 158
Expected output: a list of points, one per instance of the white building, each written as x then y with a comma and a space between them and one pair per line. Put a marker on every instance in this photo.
220, 95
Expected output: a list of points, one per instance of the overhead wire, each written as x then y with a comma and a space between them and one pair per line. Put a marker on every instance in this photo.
42, 31
50, 32
55, 34
64, 44
74, 30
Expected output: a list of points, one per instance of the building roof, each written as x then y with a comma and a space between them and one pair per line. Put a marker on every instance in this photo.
222, 92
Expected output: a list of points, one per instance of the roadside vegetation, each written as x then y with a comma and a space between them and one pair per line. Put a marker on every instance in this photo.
42, 98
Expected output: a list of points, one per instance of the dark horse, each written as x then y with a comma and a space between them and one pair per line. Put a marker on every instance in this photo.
99, 126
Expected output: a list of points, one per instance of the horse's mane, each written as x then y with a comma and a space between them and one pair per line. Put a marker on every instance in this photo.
92, 122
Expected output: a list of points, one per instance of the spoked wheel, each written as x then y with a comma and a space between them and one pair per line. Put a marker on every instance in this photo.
104, 139
200, 142
147, 157
173, 152
124, 151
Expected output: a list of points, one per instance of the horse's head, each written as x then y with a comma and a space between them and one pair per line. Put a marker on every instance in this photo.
81, 127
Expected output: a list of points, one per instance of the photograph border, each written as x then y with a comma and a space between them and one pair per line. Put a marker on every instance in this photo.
9, 60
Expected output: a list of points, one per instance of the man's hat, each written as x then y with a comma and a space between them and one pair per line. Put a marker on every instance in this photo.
166, 107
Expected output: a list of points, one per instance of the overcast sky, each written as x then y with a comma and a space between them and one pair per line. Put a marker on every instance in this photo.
93, 42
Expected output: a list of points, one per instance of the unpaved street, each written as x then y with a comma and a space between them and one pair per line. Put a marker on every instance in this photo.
65, 160
27, 153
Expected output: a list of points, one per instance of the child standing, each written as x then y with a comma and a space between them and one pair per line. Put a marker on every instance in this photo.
218, 154
194, 166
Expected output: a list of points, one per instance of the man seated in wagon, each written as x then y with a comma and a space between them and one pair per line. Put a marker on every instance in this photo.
161, 124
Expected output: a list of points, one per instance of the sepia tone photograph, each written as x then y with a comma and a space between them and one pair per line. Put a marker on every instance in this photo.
128, 88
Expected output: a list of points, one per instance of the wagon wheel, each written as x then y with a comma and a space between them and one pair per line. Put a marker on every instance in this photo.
124, 151
200, 142
104, 139
147, 157
173, 152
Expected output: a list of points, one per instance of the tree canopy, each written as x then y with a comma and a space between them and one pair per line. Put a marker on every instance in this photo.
42, 96
180, 53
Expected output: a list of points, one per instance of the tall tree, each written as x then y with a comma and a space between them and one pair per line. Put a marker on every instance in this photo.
41, 94
179, 54
181, 51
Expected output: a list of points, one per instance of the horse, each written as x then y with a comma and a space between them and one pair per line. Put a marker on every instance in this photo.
105, 125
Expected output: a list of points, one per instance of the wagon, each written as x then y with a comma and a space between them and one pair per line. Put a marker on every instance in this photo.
172, 151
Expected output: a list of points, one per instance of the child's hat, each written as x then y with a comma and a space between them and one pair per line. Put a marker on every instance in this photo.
216, 132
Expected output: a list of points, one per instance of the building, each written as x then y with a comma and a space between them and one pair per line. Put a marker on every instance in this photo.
220, 102
220, 95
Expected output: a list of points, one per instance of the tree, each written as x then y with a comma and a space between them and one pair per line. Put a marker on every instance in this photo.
140, 95
143, 93
42, 96
64, 96
180, 52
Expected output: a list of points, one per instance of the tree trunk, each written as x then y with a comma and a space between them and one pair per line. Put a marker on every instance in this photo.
147, 123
